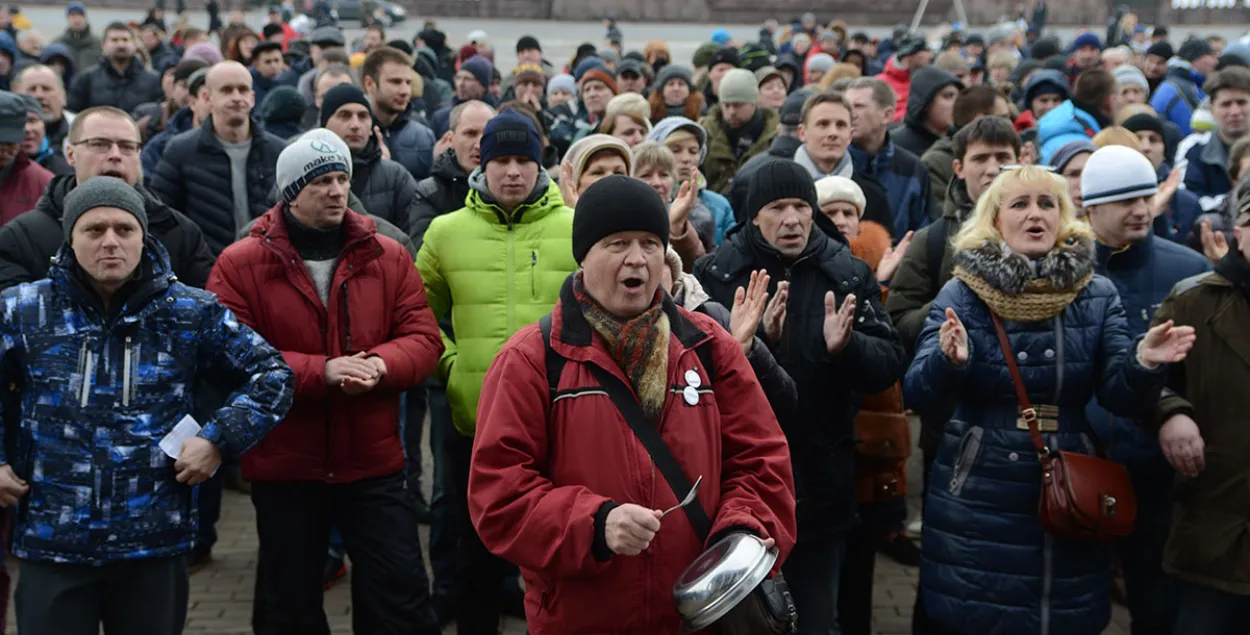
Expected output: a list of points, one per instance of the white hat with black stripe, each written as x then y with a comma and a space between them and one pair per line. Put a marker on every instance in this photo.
1117, 173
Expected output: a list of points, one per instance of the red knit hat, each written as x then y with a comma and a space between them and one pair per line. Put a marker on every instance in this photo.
601, 76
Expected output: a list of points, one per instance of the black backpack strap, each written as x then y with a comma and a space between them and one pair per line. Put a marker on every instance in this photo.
660, 453
554, 361
935, 249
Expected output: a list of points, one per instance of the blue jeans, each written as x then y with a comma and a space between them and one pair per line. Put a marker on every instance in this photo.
1151, 592
812, 571
1207, 611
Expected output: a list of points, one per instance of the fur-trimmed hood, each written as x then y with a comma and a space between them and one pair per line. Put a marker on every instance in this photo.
1010, 272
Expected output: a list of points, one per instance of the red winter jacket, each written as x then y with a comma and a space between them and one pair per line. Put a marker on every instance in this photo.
377, 305
20, 192
541, 473
900, 80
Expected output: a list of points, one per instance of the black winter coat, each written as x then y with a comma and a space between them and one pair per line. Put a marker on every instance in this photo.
821, 432
385, 187
102, 85
194, 176
28, 242
441, 193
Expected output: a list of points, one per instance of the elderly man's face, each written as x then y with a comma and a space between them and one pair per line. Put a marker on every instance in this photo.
623, 271
108, 245
47, 89
35, 133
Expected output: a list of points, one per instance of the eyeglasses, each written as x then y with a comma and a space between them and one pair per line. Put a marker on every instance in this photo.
101, 145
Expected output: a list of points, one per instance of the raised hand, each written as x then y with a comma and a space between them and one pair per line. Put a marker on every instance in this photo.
748, 309
1160, 201
568, 189
1183, 445
954, 339
679, 211
386, 152
775, 313
893, 256
1165, 344
1214, 246
838, 322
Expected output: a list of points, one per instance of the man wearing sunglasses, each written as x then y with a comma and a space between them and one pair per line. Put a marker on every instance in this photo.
21, 179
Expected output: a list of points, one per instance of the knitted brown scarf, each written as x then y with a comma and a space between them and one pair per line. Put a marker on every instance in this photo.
1019, 290
638, 345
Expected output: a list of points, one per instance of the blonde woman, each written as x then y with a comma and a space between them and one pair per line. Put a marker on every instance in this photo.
627, 118
987, 565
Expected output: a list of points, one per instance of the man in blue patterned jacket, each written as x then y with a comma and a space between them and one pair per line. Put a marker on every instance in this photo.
110, 347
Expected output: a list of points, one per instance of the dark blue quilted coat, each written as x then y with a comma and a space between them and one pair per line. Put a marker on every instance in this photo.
103, 388
1144, 275
988, 568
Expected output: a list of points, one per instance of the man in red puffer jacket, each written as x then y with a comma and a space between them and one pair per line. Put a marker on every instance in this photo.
347, 309
22, 181
912, 54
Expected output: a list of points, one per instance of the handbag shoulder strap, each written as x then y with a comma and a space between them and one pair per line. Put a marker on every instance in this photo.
650, 437
1026, 407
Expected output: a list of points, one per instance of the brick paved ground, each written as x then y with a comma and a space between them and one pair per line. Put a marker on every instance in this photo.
221, 594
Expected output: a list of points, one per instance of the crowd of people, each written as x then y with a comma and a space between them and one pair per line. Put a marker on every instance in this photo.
264, 251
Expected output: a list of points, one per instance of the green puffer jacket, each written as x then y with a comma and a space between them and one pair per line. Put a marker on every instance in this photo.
495, 273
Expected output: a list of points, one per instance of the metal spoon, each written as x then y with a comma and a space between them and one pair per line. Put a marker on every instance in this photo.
690, 496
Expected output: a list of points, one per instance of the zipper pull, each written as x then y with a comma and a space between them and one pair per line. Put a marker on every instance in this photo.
533, 258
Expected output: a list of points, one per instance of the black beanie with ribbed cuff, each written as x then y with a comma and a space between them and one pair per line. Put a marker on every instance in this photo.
617, 204
777, 180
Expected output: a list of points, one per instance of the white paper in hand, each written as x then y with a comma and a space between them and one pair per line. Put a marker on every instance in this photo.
187, 428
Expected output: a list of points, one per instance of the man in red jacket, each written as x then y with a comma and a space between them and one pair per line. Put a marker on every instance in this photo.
565, 490
22, 181
346, 307
912, 54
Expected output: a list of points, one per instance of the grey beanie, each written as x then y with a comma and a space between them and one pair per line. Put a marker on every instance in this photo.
738, 86
317, 152
1126, 74
102, 191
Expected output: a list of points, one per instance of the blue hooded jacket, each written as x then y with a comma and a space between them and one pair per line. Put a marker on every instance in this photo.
59, 51
905, 179
8, 47
1063, 125
102, 388
1178, 94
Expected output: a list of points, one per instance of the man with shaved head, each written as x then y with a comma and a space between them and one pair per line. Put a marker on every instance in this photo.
221, 174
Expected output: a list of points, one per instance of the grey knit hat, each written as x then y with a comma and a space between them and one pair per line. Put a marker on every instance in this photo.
317, 152
102, 191
738, 86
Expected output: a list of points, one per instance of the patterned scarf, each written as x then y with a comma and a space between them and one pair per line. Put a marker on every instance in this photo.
638, 345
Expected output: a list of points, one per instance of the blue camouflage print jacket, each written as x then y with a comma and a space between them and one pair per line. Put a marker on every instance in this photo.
102, 388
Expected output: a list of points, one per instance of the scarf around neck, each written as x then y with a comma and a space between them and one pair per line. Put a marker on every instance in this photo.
639, 345
1021, 290
845, 166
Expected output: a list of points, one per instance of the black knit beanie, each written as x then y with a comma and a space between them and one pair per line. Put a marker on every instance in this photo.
619, 204
342, 94
776, 180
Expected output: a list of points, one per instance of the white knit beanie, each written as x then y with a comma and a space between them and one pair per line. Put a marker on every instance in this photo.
840, 188
738, 87
1117, 173
317, 152
1131, 75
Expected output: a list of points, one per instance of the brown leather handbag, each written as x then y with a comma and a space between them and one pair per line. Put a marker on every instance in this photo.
1084, 498
883, 443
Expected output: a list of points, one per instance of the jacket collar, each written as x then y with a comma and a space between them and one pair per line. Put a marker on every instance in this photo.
545, 194
575, 331
1214, 151
876, 163
272, 228
153, 278
208, 138
1089, 110
1128, 258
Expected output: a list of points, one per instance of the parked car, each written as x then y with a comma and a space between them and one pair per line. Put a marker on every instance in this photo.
384, 12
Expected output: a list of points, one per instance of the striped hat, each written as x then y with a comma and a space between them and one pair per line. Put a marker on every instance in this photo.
1117, 173
317, 152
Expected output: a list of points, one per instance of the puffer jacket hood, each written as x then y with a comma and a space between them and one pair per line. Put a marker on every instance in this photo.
60, 51
478, 189
1044, 79
926, 83
669, 125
